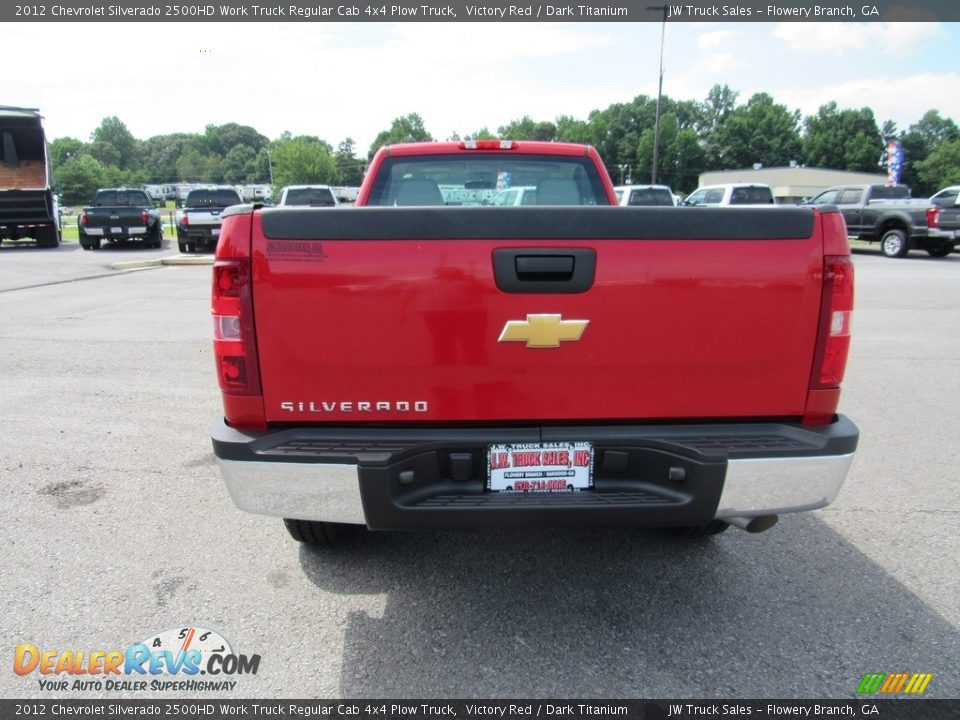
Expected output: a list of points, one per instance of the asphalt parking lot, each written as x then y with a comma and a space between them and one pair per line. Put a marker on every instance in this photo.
118, 527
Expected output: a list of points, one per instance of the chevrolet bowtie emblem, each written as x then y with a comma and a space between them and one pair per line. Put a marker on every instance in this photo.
542, 331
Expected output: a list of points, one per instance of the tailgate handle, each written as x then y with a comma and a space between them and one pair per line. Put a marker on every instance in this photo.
544, 267
544, 270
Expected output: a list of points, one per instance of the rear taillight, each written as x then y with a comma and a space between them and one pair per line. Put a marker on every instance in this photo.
933, 217
184, 220
234, 337
83, 218
144, 217
833, 342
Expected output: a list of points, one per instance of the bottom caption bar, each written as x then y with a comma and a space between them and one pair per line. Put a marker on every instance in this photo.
911, 709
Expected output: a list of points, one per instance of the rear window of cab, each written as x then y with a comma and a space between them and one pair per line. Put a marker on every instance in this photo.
476, 179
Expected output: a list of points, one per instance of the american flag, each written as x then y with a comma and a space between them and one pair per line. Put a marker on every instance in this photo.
894, 162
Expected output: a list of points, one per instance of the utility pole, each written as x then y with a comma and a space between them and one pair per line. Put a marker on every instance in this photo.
665, 9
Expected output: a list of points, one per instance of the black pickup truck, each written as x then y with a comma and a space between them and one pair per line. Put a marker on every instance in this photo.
120, 214
883, 213
943, 218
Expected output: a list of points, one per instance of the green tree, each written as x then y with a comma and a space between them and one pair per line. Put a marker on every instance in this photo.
299, 160
194, 166
842, 139
78, 178
527, 129
349, 167
161, 155
481, 134
761, 131
408, 128
941, 167
105, 153
617, 129
112, 139
680, 159
239, 164
221, 139
570, 129
721, 101
918, 142
62, 149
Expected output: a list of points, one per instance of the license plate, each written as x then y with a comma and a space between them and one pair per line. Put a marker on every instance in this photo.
215, 232
540, 467
116, 230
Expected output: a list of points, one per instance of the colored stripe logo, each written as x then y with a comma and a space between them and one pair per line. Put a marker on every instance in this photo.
894, 683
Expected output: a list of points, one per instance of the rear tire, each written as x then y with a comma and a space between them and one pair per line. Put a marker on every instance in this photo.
312, 532
714, 527
95, 244
894, 243
48, 238
157, 236
940, 249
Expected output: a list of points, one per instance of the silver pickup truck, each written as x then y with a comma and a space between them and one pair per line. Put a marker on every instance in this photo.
884, 214
198, 224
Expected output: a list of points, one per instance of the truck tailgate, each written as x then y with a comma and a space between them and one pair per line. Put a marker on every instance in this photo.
399, 314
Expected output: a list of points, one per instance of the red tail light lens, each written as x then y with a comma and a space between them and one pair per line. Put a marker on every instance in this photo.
833, 343
933, 217
83, 218
234, 339
184, 220
145, 217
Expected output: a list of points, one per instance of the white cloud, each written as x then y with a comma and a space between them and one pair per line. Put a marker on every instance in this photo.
896, 39
711, 40
902, 99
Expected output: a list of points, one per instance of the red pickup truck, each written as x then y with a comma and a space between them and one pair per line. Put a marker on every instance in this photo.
431, 361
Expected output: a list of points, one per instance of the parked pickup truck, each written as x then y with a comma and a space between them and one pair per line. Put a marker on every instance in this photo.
198, 224
308, 196
413, 364
883, 213
120, 214
943, 219
633, 195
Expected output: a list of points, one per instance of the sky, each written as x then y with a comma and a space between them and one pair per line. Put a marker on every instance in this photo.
339, 80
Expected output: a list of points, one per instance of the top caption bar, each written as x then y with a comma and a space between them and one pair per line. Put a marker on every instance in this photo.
493, 11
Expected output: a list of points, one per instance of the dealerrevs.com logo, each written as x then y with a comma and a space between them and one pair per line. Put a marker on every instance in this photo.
188, 659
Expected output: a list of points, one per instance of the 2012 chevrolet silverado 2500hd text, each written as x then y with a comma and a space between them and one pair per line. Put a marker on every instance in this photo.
432, 361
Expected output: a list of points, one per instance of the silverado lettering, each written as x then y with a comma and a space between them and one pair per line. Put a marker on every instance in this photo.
322, 406
572, 362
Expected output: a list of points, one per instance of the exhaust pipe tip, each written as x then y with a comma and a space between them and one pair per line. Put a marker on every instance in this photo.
754, 525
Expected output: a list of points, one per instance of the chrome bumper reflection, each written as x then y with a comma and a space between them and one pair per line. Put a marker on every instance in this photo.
304, 491
774, 486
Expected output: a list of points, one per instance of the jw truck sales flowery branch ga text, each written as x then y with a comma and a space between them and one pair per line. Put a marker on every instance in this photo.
771, 12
